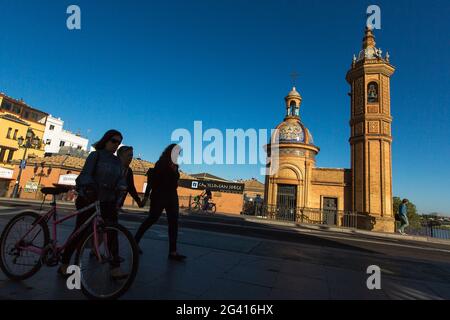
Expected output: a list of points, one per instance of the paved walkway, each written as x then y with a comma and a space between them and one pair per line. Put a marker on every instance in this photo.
225, 266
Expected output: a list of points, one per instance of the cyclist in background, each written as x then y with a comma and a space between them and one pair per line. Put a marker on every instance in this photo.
207, 195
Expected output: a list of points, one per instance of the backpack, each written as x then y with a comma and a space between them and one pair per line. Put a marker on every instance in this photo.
87, 194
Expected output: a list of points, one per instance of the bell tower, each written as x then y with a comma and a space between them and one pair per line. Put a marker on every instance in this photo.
293, 101
370, 139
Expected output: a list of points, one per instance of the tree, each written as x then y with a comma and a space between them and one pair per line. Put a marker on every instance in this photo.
413, 216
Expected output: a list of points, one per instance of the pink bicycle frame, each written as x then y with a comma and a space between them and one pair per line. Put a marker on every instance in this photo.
95, 218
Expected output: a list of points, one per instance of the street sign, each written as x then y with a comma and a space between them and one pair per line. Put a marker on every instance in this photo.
68, 179
23, 164
31, 186
6, 173
230, 187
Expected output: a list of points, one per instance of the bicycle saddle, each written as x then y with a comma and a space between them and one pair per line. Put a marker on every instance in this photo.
55, 190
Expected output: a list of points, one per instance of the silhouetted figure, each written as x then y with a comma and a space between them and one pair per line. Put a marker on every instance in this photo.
258, 205
100, 179
163, 185
403, 213
125, 154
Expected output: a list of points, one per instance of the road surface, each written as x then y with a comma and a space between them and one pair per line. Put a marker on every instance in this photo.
236, 259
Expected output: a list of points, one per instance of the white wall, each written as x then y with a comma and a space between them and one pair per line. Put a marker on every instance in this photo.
58, 134
52, 135
72, 140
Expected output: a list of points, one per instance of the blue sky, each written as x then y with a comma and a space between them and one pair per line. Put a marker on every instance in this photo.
150, 67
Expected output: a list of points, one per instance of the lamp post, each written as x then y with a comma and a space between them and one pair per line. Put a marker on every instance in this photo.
30, 141
41, 174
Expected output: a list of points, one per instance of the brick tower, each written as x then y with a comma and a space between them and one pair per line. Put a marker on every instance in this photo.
370, 140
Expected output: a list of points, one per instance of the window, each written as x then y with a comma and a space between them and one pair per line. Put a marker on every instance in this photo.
62, 143
26, 114
6, 105
34, 116
2, 154
8, 135
329, 203
10, 156
293, 108
16, 109
15, 134
372, 92
52, 127
79, 147
48, 142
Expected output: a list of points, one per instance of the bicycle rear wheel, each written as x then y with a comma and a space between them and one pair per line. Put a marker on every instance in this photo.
17, 263
97, 281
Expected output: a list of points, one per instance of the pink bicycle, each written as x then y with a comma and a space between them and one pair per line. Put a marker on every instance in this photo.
25, 245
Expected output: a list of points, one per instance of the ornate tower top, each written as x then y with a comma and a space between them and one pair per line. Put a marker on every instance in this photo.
292, 130
293, 101
369, 51
369, 39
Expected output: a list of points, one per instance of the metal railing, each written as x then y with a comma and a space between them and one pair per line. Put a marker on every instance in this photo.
337, 218
346, 219
432, 231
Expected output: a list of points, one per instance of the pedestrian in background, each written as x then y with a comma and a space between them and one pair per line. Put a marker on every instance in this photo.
403, 213
258, 205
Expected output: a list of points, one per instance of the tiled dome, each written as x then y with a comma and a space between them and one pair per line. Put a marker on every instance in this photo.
293, 131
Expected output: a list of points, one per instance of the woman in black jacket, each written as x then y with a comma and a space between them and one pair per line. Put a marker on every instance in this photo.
164, 183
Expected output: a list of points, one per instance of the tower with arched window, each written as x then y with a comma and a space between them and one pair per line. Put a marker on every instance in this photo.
370, 140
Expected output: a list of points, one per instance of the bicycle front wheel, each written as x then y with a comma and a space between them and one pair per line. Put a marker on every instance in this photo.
195, 207
108, 270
